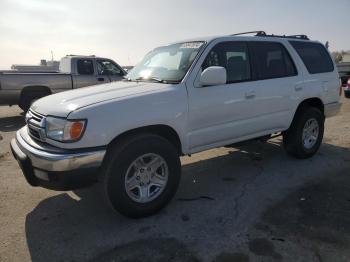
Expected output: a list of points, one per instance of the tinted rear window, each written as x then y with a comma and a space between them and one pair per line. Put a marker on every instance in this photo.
85, 67
315, 56
272, 60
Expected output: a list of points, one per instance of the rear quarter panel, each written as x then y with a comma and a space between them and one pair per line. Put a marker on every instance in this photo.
12, 84
54, 81
324, 86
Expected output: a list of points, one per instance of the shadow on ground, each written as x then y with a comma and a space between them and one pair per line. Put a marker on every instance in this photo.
11, 123
80, 227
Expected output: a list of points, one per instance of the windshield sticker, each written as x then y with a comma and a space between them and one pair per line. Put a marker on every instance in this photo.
191, 45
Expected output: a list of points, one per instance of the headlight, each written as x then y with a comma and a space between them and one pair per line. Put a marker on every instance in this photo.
64, 130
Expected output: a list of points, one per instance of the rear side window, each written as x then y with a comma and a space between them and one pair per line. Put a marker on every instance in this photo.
85, 67
272, 60
315, 56
233, 56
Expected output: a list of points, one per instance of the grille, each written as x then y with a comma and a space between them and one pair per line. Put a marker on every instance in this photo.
36, 125
35, 118
34, 133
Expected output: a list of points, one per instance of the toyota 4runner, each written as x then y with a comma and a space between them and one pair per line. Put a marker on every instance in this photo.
180, 99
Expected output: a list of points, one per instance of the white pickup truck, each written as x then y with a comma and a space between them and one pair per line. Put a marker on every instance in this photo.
23, 88
180, 99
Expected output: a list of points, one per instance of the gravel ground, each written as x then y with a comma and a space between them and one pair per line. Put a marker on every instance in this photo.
248, 203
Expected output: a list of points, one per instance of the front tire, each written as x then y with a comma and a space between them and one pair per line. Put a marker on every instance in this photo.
141, 175
304, 137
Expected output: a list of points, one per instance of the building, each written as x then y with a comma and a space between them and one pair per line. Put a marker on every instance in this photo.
44, 66
346, 58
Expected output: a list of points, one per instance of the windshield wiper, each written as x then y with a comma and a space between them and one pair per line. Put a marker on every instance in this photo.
156, 79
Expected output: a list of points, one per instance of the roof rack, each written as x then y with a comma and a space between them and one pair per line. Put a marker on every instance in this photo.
304, 37
257, 33
82, 55
263, 33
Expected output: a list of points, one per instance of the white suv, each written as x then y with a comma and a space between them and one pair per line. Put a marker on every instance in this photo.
180, 99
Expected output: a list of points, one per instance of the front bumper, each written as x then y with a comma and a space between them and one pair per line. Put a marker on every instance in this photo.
332, 109
59, 169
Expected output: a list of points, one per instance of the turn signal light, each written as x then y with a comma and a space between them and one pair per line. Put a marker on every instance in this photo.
76, 129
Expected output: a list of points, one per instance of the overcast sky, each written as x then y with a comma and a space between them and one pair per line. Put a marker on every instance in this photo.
126, 30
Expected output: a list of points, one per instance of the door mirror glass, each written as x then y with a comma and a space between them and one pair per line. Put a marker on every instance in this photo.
213, 75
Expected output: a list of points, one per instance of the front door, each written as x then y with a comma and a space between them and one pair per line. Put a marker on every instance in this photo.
223, 112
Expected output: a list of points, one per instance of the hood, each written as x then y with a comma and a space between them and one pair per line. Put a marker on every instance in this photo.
61, 104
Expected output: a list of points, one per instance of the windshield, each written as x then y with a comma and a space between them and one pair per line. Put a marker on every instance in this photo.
167, 63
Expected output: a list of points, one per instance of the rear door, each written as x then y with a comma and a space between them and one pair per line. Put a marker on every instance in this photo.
108, 70
276, 78
85, 73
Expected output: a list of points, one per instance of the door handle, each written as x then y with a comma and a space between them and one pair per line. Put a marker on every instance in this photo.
101, 79
250, 94
325, 85
298, 88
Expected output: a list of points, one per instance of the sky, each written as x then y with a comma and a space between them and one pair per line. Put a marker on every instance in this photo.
125, 30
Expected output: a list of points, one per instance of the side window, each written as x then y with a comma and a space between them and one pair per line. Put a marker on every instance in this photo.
85, 67
233, 56
315, 56
272, 60
107, 67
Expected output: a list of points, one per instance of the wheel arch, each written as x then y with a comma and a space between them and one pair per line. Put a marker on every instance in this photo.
313, 102
162, 130
35, 88
32, 91
308, 102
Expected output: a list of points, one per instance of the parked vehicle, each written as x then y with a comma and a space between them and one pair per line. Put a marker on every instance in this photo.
23, 88
347, 89
180, 99
344, 72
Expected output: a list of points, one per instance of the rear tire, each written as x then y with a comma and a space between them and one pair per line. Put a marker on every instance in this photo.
304, 137
28, 98
120, 162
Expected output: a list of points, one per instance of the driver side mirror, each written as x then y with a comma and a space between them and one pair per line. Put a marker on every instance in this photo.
213, 75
